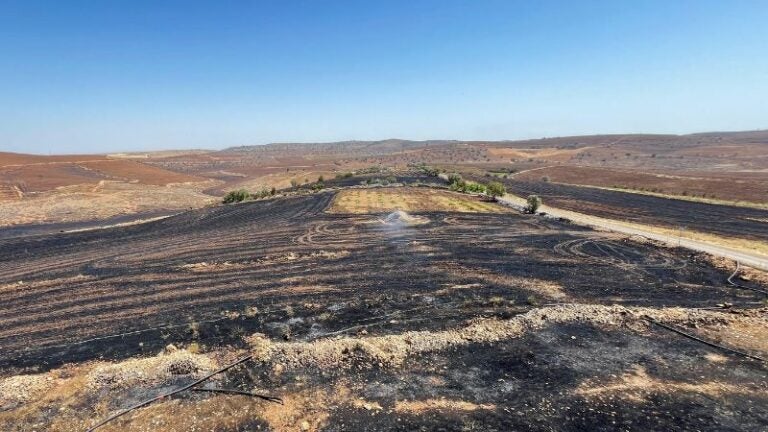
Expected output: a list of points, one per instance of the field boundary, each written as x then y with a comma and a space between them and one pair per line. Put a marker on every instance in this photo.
747, 258
713, 201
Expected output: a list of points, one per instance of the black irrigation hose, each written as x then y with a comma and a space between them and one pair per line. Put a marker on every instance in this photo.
738, 285
240, 392
711, 344
168, 394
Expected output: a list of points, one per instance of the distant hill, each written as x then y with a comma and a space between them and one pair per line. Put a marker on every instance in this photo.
712, 150
639, 141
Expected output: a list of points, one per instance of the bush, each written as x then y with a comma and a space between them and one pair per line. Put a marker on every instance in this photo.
236, 196
263, 193
545, 179
474, 187
428, 170
454, 179
459, 186
495, 189
534, 202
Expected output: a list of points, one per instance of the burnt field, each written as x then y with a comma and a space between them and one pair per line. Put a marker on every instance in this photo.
463, 321
722, 220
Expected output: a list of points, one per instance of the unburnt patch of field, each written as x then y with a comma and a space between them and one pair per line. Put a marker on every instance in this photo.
378, 200
365, 325
96, 204
77, 189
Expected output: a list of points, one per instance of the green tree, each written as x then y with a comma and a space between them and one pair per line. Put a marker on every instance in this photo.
534, 202
495, 189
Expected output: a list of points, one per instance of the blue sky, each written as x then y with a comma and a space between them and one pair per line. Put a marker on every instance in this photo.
102, 76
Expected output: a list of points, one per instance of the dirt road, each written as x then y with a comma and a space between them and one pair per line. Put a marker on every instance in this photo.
746, 257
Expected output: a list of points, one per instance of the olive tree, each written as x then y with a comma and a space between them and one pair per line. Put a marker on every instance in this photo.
534, 202
495, 189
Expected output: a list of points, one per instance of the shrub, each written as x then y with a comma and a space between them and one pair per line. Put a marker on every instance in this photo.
430, 171
236, 196
294, 183
459, 186
545, 179
454, 179
495, 189
477, 187
263, 193
534, 202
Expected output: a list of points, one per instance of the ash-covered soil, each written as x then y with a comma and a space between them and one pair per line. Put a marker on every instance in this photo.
362, 322
723, 220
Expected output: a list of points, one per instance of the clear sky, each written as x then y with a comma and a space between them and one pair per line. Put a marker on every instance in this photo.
102, 76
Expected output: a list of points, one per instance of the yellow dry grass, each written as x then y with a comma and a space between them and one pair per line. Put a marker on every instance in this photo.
442, 405
542, 153
107, 199
381, 200
636, 386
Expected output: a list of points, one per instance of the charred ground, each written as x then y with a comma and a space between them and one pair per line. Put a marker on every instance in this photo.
320, 288
722, 220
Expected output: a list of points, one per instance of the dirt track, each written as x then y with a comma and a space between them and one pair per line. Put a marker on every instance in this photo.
728, 221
